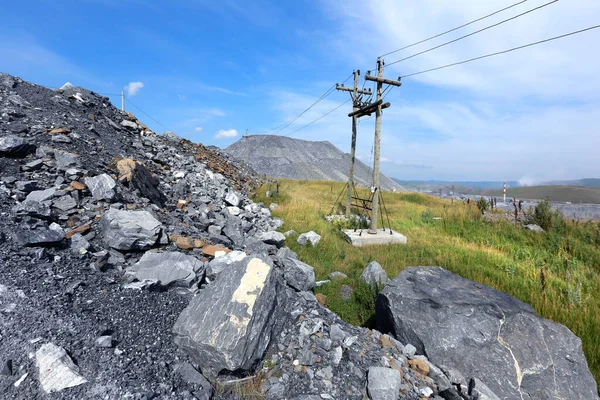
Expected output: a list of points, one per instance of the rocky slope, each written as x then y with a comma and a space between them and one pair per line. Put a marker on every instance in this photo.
132, 268
284, 157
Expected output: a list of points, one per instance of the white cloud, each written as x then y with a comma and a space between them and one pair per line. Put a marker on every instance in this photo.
181, 97
226, 134
198, 129
133, 88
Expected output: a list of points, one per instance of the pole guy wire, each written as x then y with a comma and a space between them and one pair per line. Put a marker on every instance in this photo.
145, 113
281, 127
321, 117
474, 33
453, 29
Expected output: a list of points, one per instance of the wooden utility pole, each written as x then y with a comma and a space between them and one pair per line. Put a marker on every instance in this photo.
122, 100
380, 80
355, 106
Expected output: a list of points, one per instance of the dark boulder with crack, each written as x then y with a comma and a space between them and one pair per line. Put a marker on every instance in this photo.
229, 324
472, 330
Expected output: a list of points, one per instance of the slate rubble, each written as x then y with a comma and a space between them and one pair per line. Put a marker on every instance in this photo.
141, 263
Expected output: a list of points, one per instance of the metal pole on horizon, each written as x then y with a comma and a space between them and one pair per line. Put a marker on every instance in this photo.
123, 100
504, 192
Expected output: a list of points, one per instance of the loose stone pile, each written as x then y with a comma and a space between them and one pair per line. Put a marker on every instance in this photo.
134, 266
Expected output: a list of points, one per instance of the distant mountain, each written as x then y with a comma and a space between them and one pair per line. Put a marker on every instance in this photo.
587, 182
465, 187
573, 194
284, 157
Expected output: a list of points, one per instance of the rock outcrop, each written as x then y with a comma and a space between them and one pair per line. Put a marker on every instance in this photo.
471, 330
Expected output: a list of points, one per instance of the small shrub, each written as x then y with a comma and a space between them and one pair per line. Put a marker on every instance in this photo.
427, 217
482, 204
543, 215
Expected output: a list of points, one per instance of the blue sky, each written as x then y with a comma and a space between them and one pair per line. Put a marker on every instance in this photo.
210, 70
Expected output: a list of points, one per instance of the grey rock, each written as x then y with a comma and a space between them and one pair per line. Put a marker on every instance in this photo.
33, 208
64, 203
102, 187
61, 139
233, 199
273, 237
298, 275
41, 195
168, 269
67, 86
171, 136
309, 237
234, 231
409, 350
454, 321
214, 230
335, 275
14, 146
104, 341
284, 253
130, 230
26, 186
383, 383
534, 228
374, 275
289, 233
44, 151
56, 369
219, 264
79, 244
273, 206
337, 333
190, 375
33, 166
39, 237
230, 323
65, 160
129, 124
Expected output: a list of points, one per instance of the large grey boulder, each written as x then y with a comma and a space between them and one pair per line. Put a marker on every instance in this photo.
374, 275
298, 275
14, 146
102, 187
56, 369
130, 230
383, 383
169, 269
486, 334
229, 324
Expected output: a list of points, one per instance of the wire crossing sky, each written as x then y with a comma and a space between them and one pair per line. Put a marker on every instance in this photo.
469, 111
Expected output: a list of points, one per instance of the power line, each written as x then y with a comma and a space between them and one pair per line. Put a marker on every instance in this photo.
474, 33
453, 29
321, 117
503, 51
281, 127
145, 113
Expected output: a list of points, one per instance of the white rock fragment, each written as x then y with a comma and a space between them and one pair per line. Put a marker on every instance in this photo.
56, 369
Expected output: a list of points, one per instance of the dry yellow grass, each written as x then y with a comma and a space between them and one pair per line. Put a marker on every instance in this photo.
500, 255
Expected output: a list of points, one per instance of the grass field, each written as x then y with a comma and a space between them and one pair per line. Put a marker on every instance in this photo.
500, 255
573, 194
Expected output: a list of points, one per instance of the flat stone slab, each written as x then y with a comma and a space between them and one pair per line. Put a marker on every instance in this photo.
362, 237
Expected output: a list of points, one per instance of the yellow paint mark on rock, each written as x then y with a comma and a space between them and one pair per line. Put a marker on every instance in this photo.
250, 288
